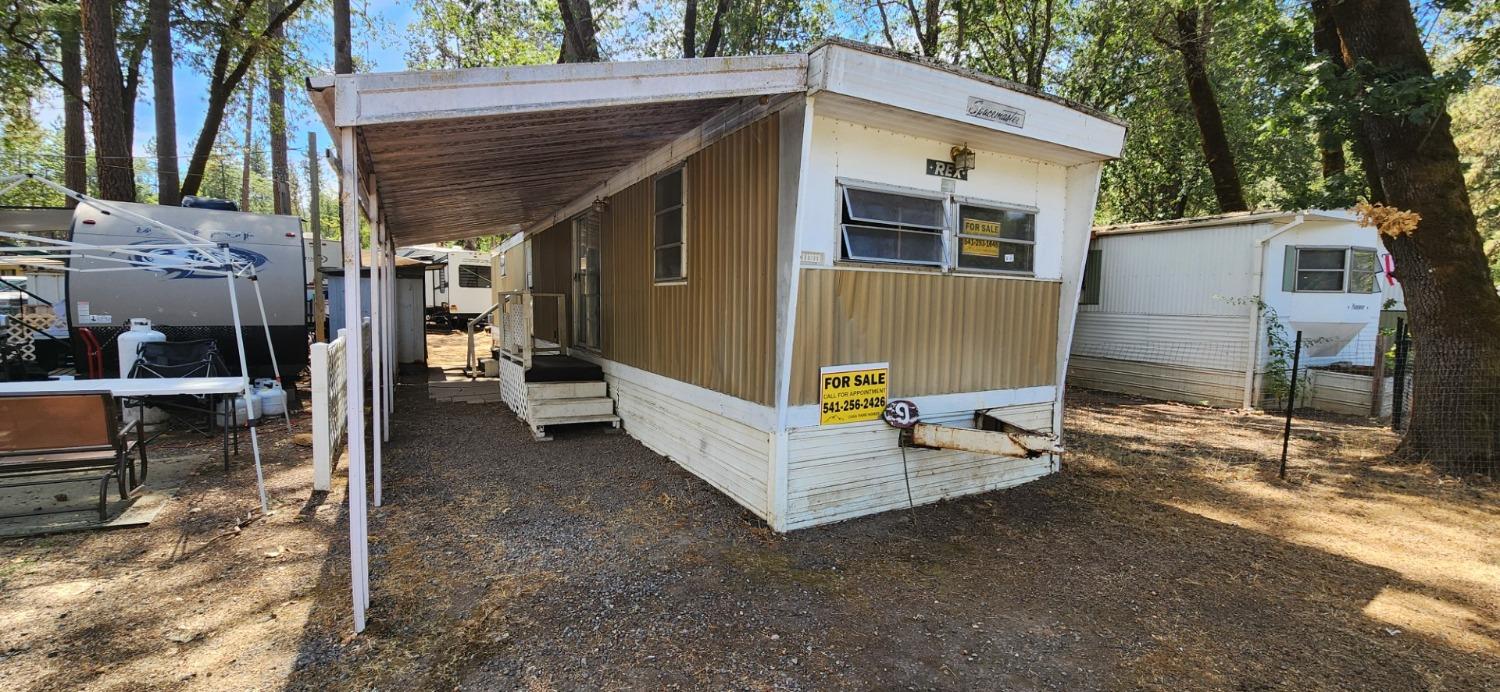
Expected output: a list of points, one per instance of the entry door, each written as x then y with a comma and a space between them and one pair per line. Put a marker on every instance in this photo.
586, 280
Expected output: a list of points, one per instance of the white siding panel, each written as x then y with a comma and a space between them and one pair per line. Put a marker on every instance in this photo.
1157, 381
1188, 272
843, 471
728, 454
1210, 342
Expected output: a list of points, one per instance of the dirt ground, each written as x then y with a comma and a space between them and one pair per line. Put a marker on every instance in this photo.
211, 595
1166, 555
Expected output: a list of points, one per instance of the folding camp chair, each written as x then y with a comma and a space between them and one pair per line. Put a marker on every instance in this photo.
174, 359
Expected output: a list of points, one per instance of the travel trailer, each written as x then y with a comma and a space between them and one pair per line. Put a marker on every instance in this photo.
1185, 309
457, 286
185, 304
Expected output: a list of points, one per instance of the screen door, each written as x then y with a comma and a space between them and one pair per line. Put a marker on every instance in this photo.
586, 280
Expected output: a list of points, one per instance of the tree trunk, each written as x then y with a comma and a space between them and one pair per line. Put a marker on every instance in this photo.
716, 30
1332, 47
222, 85
932, 15
580, 41
690, 30
249, 146
168, 184
75, 166
107, 102
281, 190
1326, 43
1454, 310
1192, 44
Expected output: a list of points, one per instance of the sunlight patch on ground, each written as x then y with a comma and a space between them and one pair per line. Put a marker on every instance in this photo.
1459, 626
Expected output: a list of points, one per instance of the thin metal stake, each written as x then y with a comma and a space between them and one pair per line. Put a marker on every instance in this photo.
1398, 389
1291, 402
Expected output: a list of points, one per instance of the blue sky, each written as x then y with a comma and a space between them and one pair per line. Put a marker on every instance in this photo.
385, 50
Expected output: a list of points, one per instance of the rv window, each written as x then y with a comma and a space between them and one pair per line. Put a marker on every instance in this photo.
887, 227
1321, 269
669, 259
995, 239
1362, 270
473, 276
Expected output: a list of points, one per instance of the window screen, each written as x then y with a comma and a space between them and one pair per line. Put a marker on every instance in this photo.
473, 276
995, 239
668, 254
890, 227
1362, 270
1321, 269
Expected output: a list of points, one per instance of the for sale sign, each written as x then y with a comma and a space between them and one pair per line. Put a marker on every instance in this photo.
853, 393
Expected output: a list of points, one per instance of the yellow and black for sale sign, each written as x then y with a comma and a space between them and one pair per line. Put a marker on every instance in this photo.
853, 393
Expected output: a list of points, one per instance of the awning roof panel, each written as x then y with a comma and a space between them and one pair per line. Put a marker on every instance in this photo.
497, 174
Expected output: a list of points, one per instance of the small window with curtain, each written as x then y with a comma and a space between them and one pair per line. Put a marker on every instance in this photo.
473, 276
669, 256
994, 239
881, 226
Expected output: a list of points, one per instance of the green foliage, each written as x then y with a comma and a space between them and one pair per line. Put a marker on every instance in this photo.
481, 33
1476, 129
27, 148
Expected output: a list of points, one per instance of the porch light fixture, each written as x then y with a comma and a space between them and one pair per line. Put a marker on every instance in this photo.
963, 158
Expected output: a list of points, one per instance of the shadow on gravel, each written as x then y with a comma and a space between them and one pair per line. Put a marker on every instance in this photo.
590, 561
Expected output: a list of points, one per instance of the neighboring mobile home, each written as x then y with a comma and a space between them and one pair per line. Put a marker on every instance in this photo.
742, 259
1180, 309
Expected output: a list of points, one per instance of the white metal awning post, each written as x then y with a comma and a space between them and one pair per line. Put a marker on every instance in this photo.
359, 574
377, 331
394, 310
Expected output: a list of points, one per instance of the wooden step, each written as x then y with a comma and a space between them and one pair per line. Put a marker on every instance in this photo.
475, 391
553, 411
543, 391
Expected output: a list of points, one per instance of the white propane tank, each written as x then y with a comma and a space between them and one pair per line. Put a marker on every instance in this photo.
270, 399
128, 343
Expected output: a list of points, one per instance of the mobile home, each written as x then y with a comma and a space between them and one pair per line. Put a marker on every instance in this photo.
744, 260
1186, 309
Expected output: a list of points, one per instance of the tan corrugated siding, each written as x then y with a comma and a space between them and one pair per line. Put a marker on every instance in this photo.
941, 333
716, 330
551, 256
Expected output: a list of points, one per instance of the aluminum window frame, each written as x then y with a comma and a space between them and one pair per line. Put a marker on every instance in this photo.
489, 279
1374, 272
1297, 269
958, 234
681, 244
842, 185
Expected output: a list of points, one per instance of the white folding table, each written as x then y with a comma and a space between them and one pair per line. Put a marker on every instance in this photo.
136, 387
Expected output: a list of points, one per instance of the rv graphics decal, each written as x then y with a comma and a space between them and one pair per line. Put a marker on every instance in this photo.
178, 262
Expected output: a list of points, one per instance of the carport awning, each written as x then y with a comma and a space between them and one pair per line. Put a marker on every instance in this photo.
463, 153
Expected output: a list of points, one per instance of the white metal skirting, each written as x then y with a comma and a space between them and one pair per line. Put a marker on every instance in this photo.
328, 394
839, 472
1159, 381
724, 452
